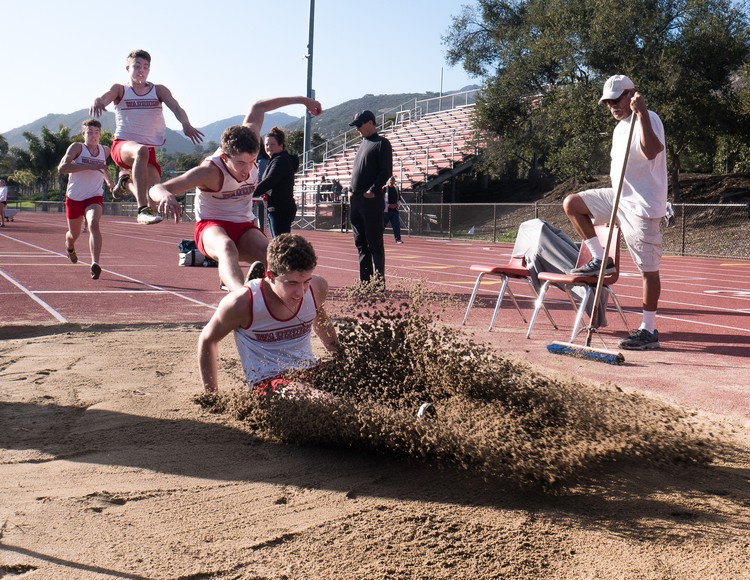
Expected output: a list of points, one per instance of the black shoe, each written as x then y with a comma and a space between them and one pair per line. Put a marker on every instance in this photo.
641, 339
96, 271
120, 190
257, 270
591, 268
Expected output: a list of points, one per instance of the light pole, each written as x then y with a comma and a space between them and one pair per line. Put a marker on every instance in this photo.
310, 92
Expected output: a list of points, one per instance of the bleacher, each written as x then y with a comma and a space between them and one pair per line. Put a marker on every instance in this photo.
427, 148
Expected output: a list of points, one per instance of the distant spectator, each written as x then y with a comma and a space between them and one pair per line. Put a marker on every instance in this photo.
278, 183
322, 188
259, 202
3, 201
391, 209
336, 189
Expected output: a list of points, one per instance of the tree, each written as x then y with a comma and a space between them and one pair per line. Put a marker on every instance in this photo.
295, 145
6, 163
43, 155
544, 63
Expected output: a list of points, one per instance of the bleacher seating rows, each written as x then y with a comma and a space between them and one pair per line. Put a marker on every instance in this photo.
422, 148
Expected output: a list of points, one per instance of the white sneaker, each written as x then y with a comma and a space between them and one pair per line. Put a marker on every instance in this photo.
147, 217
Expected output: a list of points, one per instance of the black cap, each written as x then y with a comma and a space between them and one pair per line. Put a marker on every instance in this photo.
362, 118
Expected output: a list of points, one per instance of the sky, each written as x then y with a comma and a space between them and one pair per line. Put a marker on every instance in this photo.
220, 56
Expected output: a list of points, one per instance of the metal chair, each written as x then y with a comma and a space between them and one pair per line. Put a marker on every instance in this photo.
514, 269
568, 281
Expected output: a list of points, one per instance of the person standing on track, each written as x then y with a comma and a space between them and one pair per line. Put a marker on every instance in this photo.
272, 320
278, 183
86, 163
140, 128
391, 215
225, 228
373, 166
642, 204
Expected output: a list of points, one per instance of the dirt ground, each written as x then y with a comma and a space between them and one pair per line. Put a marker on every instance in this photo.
109, 469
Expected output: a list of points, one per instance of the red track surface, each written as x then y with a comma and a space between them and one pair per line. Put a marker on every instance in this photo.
703, 317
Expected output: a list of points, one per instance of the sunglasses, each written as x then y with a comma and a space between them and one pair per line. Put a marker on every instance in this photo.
618, 99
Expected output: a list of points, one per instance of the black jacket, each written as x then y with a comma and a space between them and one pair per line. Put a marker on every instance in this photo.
373, 165
278, 182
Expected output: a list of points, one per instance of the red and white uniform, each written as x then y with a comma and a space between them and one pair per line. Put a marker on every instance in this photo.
270, 346
83, 185
140, 118
234, 200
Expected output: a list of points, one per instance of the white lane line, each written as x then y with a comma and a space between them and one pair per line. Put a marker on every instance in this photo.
155, 289
31, 295
99, 291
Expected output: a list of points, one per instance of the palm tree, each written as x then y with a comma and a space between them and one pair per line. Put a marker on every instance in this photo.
43, 155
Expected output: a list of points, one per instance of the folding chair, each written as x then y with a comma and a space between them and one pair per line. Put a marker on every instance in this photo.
568, 281
515, 269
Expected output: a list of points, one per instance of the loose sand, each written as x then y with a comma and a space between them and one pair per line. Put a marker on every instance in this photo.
110, 467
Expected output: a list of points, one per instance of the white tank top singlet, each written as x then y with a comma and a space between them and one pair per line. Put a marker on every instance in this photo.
234, 200
140, 118
269, 346
85, 184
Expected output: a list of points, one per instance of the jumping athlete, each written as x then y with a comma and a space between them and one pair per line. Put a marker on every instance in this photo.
272, 319
226, 228
87, 165
140, 127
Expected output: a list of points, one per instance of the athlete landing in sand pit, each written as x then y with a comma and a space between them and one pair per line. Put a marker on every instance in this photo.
272, 320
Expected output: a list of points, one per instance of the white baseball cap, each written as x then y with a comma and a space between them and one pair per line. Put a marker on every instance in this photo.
615, 86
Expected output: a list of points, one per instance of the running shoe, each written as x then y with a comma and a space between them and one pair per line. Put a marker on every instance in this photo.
96, 271
641, 339
591, 268
257, 270
147, 217
120, 190
72, 256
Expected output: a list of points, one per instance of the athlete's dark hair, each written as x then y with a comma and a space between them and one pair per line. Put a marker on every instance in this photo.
239, 139
91, 123
291, 253
278, 134
140, 53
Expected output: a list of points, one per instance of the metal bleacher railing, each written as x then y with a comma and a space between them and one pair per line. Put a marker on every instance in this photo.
411, 110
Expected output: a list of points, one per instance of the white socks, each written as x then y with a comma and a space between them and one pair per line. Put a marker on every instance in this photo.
595, 247
649, 320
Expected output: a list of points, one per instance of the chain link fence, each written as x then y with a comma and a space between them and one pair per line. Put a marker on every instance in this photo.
717, 230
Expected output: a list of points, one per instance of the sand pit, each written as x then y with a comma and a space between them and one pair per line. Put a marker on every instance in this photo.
109, 468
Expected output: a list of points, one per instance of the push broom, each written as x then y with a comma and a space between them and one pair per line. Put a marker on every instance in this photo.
586, 351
